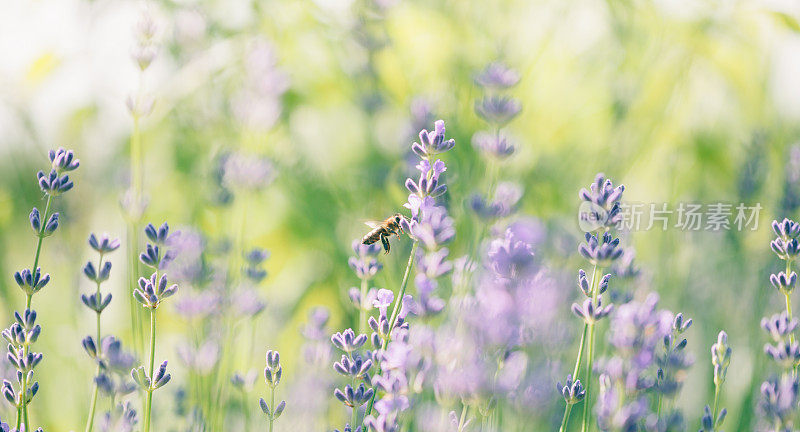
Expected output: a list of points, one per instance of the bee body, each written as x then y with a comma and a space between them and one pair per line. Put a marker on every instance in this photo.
383, 230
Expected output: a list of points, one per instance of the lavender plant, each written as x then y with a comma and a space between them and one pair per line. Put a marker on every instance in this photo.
366, 266
778, 395
600, 250
134, 202
428, 224
673, 362
272, 375
720, 357
150, 293
354, 364
23, 333
97, 302
633, 374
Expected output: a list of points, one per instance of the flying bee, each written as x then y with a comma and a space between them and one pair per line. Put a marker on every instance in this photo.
383, 230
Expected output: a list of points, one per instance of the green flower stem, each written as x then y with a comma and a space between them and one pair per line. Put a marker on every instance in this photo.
589, 366
90, 419
462, 419
362, 311
789, 309
579, 359
566, 417
149, 404
39, 245
28, 299
393, 319
716, 403
272, 404
134, 216
586, 400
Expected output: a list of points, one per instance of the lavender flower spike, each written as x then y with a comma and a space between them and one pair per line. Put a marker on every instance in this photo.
272, 375
433, 142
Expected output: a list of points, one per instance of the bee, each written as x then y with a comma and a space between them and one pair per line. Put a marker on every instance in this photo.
383, 230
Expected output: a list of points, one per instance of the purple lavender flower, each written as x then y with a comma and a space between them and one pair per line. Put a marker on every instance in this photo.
779, 326
63, 160
782, 282
121, 419
498, 110
246, 172
591, 311
272, 376
497, 76
572, 391
31, 282
779, 401
151, 292
435, 229
433, 142
600, 252
506, 198
365, 263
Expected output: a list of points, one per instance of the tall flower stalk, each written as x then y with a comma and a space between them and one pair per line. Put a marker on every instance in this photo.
721, 358
97, 302
420, 200
600, 212
150, 293
272, 376
134, 203
24, 332
787, 248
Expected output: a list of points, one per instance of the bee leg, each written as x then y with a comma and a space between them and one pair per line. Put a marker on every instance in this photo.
385, 242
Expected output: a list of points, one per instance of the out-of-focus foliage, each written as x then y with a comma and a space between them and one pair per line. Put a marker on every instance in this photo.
681, 102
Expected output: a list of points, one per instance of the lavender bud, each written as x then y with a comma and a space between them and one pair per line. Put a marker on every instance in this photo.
104, 244
782, 282
600, 252
31, 282
51, 225
498, 110
786, 229
779, 326
572, 391
63, 160
721, 358
158, 235
35, 219
264, 407
53, 184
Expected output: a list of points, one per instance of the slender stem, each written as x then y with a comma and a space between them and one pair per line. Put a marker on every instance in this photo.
134, 216
592, 288
587, 402
399, 300
39, 245
578, 360
29, 298
272, 405
716, 405
588, 384
92, 408
789, 310
362, 311
19, 418
566, 417
149, 406
90, 420
463, 418
24, 404
393, 319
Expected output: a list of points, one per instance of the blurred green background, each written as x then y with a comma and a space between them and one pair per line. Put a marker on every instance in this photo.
679, 101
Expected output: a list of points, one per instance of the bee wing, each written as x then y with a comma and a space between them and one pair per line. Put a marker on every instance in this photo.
372, 224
